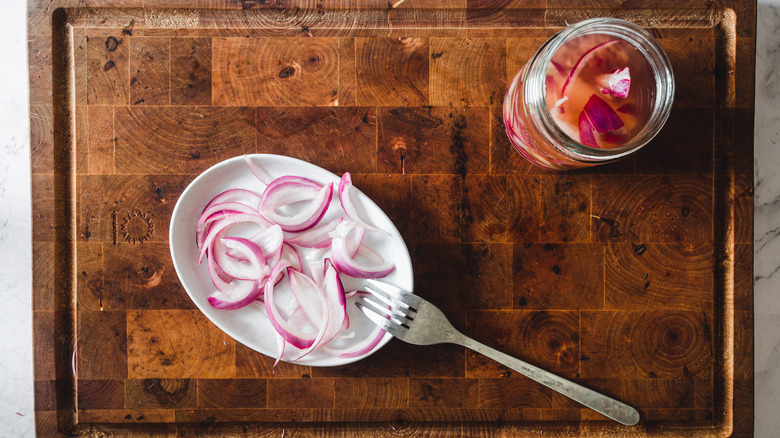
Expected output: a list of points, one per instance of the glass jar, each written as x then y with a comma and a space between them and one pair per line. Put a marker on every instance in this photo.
553, 144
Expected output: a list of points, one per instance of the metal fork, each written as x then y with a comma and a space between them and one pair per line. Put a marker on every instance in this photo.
416, 321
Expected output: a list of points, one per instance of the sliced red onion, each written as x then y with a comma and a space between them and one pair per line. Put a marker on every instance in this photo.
561, 101
587, 137
283, 194
308, 294
221, 211
365, 346
270, 240
556, 111
601, 116
629, 108
617, 136
291, 256
318, 273
616, 83
348, 265
345, 187
582, 62
334, 316
217, 227
257, 171
205, 228
549, 84
316, 237
218, 277
360, 349
560, 68
280, 352
244, 196
353, 242
237, 295
289, 332
255, 268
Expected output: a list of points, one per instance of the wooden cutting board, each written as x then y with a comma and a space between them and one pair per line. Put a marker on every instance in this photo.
634, 279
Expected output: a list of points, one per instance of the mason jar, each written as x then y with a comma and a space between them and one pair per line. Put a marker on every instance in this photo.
554, 110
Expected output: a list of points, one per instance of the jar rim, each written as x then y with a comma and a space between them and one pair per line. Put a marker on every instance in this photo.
535, 89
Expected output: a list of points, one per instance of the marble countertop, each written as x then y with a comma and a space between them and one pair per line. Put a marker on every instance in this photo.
16, 376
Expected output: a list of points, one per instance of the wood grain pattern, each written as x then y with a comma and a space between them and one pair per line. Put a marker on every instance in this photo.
43, 279
678, 213
659, 276
102, 345
437, 219
39, 53
617, 276
160, 344
549, 339
191, 71
150, 71
499, 208
298, 393
161, 393
392, 71
468, 72
41, 138
513, 393
100, 141
108, 71
565, 210
231, 393
650, 344
101, 394
266, 71
128, 208
432, 140
89, 281
451, 273
375, 392
202, 137
558, 276
335, 137
443, 393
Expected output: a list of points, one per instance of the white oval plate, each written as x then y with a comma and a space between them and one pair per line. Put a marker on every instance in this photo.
250, 325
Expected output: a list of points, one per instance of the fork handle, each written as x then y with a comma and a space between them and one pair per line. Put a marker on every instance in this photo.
609, 407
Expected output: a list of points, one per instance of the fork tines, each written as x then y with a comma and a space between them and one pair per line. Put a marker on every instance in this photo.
393, 312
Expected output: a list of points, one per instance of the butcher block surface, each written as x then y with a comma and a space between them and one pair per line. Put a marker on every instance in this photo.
634, 278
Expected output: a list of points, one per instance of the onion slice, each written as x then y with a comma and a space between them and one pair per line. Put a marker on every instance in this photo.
289, 332
582, 62
308, 294
223, 224
336, 313
345, 187
278, 195
600, 115
244, 196
347, 264
255, 267
587, 137
237, 295
316, 237
257, 171
616, 83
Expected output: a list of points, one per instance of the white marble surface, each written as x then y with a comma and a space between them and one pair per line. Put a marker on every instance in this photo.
767, 220
16, 376
16, 387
